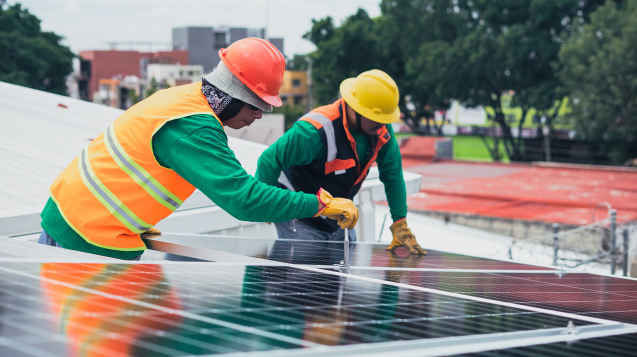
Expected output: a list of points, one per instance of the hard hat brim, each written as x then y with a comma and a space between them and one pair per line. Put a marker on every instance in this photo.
346, 93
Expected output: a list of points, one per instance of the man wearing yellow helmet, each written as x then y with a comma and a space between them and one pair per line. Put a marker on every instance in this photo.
333, 147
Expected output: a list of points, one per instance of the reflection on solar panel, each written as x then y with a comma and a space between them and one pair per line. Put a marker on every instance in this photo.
624, 345
585, 294
288, 300
330, 253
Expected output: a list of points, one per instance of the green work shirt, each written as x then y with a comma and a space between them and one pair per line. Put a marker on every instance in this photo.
196, 147
302, 145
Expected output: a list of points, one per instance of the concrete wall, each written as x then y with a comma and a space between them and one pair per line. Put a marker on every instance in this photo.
515, 228
263, 131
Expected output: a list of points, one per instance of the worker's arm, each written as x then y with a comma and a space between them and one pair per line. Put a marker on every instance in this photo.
300, 145
196, 147
390, 170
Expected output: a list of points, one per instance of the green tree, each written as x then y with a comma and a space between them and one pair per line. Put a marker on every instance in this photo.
469, 50
133, 97
598, 69
152, 88
492, 47
29, 56
344, 52
297, 63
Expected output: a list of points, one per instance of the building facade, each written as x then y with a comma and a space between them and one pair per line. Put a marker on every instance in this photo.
294, 88
116, 65
174, 74
204, 43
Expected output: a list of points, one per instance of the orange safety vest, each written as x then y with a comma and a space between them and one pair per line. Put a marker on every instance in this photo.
115, 188
341, 172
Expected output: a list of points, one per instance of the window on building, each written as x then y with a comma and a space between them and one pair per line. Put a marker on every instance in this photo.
296, 83
220, 39
298, 99
284, 100
191, 73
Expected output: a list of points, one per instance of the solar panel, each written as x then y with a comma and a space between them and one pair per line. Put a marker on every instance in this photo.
624, 345
585, 294
329, 253
207, 308
285, 297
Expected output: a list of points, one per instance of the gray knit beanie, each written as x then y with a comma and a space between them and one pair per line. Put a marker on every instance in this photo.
222, 78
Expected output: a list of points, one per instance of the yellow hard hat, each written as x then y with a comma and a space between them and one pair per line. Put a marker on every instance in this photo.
374, 95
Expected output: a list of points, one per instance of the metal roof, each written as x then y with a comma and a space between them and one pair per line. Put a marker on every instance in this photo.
41, 133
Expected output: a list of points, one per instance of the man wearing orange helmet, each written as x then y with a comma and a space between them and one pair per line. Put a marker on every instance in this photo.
150, 159
333, 147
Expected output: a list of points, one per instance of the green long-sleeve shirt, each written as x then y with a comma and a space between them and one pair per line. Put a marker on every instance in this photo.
196, 147
302, 145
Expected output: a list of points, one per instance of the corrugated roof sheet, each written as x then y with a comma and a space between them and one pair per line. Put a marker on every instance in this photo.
41, 133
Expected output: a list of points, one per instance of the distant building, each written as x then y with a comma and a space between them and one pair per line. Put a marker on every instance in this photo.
118, 93
174, 74
294, 88
203, 43
116, 65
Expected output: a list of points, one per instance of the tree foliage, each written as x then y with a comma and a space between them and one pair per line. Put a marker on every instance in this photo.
344, 52
29, 56
598, 69
297, 63
469, 50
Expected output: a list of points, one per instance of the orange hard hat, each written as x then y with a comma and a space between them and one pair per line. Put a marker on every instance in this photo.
259, 65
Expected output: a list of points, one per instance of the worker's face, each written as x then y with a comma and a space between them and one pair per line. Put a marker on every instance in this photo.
246, 116
368, 127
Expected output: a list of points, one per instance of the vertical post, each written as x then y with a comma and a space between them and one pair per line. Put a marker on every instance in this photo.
346, 250
613, 241
309, 98
366, 227
626, 247
556, 247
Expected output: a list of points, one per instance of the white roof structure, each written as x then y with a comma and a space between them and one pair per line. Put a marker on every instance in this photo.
41, 133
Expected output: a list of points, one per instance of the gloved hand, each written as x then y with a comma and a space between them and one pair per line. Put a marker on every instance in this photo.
404, 238
152, 232
340, 209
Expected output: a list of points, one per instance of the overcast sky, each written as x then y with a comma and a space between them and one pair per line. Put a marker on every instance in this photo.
91, 24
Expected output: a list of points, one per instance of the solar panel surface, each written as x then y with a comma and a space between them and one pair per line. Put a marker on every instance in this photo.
586, 294
623, 345
205, 308
330, 253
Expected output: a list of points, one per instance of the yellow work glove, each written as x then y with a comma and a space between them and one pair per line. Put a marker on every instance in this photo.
404, 238
340, 209
152, 232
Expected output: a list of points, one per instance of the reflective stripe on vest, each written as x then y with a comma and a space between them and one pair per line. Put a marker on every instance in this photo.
107, 198
138, 173
329, 133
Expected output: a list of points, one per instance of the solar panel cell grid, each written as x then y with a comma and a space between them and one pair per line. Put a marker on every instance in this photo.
592, 295
330, 253
623, 345
141, 309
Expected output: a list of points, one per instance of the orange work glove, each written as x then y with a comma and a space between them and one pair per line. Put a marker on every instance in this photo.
404, 238
340, 209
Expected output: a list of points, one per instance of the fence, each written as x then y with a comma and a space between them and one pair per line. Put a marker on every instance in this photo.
603, 242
